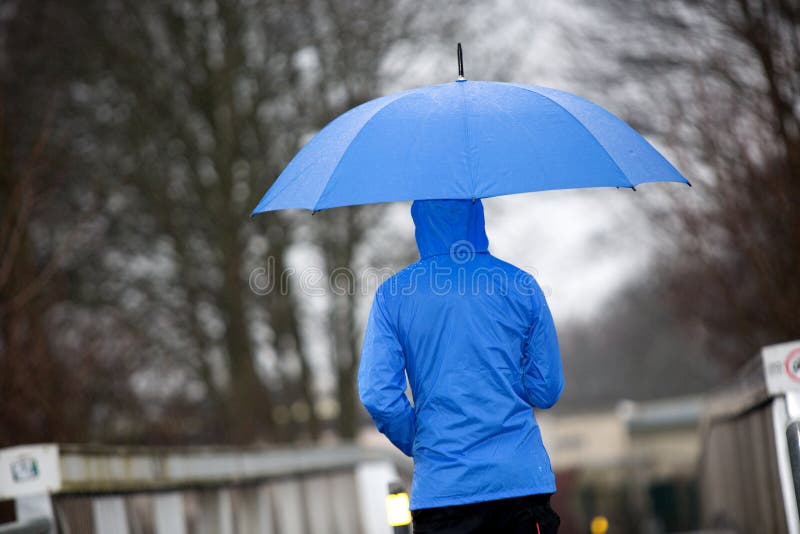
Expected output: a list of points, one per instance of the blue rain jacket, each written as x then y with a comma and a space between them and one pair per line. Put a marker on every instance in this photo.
476, 339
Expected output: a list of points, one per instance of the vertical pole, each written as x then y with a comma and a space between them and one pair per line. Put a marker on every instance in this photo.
460, 63
36, 511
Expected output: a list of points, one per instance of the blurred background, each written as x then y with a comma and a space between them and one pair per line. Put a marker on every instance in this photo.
139, 305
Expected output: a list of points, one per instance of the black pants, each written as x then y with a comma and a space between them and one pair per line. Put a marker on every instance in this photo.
531, 515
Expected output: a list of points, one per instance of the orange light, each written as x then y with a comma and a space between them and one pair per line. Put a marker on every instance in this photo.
599, 525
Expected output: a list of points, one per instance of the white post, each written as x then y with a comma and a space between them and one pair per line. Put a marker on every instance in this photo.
372, 482
170, 517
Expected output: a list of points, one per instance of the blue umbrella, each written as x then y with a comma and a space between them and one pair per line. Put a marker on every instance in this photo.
465, 140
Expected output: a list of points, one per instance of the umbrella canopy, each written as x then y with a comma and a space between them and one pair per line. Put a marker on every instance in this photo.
465, 140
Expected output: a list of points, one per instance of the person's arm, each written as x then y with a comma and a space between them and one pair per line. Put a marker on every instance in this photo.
382, 379
543, 377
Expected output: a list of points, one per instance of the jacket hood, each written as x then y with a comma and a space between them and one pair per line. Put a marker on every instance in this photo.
442, 223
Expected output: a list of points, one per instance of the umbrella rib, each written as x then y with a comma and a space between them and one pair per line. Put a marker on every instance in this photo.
583, 126
524, 128
417, 135
467, 147
377, 112
311, 164
289, 182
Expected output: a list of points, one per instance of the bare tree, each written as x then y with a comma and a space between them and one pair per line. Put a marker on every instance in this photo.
720, 81
49, 227
174, 119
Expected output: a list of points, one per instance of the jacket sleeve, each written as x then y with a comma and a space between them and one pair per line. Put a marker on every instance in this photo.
543, 376
382, 379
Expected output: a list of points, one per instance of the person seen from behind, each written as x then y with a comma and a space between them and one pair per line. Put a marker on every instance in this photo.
476, 339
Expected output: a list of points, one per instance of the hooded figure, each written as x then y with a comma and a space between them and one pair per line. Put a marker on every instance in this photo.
476, 339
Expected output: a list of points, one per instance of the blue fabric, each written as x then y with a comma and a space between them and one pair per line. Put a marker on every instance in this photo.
477, 341
465, 140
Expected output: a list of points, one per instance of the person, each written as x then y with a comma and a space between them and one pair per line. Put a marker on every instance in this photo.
476, 339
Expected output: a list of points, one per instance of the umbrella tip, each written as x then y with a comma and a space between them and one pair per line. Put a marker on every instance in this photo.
460, 64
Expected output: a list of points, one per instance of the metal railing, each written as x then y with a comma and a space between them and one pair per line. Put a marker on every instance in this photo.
126, 490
